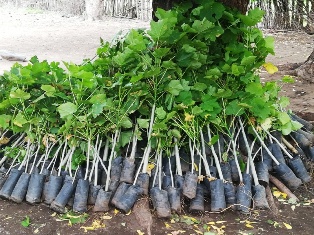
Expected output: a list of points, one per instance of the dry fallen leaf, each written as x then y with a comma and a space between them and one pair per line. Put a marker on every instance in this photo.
167, 225
198, 231
54, 214
270, 68
115, 211
249, 226
293, 207
36, 230
139, 232
95, 225
288, 226
106, 217
128, 213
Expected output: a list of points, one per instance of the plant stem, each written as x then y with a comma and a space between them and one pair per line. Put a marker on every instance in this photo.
114, 142
178, 161
251, 163
217, 163
265, 147
88, 157
280, 145
150, 130
106, 150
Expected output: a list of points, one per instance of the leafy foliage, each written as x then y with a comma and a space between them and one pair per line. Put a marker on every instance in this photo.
197, 64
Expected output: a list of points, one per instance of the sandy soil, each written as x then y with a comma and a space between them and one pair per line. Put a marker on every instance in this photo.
54, 37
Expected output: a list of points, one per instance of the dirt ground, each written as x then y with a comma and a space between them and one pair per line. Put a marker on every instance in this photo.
59, 38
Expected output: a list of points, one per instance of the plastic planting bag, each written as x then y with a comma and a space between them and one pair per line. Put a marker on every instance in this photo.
20, 189
10, 183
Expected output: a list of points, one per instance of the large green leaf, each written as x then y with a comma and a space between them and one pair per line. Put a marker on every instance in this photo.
66, 109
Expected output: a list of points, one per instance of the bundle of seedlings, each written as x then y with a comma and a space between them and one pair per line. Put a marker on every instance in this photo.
183, 96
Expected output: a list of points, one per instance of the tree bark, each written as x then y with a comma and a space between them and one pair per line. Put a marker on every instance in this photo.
241, 5
94, 9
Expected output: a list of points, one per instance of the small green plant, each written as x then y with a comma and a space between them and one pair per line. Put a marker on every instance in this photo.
26, 222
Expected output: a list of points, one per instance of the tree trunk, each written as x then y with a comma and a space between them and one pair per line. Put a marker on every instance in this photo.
241, 5
306, 70
94, 9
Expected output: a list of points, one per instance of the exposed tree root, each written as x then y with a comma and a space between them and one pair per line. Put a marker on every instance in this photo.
282, 187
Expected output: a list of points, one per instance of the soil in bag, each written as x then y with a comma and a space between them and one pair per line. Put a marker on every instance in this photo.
230, 194
244, 194
276, 151
166, 166
129, 198
103, 177
179, 182
213, 171
10, 183
226, 171
116, 168
234, 170
114, 184
128, 170
102, 201
81, 196
217, 193
143, 182
259, 198
166, 182
64, 195
92, 194
151, 179
174, 197
267, 158
190, 185
35, 188
307, 125
299, 169
3, 177
197, 203
20, 189
284, 173
309, 152
53, 187
262, 173
123, 187
160, 202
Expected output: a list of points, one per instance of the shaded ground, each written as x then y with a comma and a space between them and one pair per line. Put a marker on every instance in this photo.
53, 37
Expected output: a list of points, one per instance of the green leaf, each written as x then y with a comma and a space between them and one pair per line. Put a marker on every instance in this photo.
199, 86
19, 94
26, 222
253, 17
135, 40
49, 90
249, 60
255, 88
213, 73
5, 121
160, 52
143, 123
213, 140
125, 137
66, 109
284, 118
19, 120
270, 44
174, 87
160, 113
126, 122
288, 79
233, 108
97, 99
